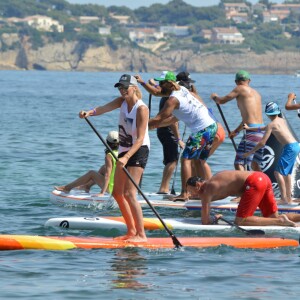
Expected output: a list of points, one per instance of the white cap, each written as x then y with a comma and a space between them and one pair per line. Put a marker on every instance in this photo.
113, 137
162, 76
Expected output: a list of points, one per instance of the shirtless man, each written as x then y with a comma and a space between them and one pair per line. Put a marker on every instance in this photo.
279, 128
249, 104
255, 190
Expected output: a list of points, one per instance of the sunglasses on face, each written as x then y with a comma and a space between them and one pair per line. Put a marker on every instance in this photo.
123, 88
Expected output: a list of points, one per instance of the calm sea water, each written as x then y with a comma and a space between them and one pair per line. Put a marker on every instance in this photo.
44, 143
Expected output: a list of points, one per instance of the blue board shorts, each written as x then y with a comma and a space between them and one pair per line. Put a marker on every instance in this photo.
199, 144
287, 159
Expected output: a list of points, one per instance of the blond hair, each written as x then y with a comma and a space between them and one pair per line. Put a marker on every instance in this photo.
138, 92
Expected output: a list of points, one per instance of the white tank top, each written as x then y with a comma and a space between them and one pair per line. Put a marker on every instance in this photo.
191, 111
127, 127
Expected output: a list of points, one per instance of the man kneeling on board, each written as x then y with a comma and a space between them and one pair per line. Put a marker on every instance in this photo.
255, 190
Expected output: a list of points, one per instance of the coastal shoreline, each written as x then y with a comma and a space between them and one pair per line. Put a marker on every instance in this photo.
62, 57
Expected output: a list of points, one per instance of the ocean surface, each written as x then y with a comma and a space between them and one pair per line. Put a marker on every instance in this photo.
44, 143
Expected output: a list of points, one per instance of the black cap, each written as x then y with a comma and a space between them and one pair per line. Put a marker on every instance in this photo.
126, 80
184, 76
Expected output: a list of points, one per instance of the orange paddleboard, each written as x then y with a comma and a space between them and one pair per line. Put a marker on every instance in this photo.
22, 242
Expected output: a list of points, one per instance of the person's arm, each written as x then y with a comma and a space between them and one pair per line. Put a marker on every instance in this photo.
236, 131
175, 129
151, 88
108, 170
165, 115
114, 104
262, 142
141, 125
259, 129
289, 105
221, 100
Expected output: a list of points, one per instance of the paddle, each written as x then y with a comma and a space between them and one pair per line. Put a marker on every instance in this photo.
173, 189
226, 125
176, 242
245, 149
248, 232
149, 104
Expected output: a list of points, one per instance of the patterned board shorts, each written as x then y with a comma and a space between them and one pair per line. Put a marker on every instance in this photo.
247, 143
198, 144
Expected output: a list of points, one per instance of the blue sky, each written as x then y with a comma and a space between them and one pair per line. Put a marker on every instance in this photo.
137, 3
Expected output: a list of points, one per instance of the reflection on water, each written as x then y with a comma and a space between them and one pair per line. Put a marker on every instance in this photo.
129, 268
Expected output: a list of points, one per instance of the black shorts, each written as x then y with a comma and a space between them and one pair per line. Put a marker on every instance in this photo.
138, 159
170, 148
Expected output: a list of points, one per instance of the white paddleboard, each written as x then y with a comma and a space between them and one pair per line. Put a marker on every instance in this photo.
79, 198
194, 224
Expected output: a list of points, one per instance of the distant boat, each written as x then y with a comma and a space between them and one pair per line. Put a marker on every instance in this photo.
297, 74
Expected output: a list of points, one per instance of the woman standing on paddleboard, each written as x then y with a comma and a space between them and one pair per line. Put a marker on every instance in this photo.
133, 152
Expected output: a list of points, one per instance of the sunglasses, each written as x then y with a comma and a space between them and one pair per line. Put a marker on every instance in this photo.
123, 88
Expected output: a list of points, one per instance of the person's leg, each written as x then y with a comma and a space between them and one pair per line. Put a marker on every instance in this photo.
218, 140
135, 207
119, 195
288, 187
281, 220
201, 168
86, 187
186, 173
171, 155
167, 175
84, 179
255, 166
293, 217
281, 184
239, 161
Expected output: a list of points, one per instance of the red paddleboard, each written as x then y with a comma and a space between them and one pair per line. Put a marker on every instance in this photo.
22, 242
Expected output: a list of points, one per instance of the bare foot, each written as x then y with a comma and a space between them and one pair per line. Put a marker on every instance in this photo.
137, 239
123, 237
293, 203
236, 200
181, 197
62, 189
286, 221
282, 202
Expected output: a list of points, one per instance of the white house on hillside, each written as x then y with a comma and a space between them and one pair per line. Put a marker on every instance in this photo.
223, 35
44, 23
176, 30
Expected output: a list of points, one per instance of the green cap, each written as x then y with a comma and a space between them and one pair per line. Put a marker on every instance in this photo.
242, 75
166, 76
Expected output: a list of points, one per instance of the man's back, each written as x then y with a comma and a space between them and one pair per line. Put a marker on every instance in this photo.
249, 103
226, 183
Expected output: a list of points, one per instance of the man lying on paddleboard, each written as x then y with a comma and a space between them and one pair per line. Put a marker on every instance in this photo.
255, 190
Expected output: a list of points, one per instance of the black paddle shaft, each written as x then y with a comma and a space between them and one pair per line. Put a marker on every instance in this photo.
248, 232
174, 178
176, 242
226, 125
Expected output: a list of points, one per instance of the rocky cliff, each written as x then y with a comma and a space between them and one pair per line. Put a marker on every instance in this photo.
73, 56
